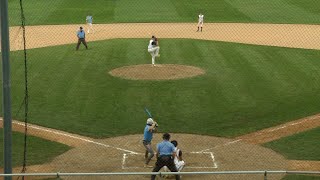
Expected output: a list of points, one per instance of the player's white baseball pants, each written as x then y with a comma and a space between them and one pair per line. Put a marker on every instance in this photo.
154, 52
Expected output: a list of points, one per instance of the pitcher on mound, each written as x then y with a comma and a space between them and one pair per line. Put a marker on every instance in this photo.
153, 49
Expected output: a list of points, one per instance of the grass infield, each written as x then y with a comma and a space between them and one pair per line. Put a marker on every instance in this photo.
300, 146
38, 150
300, 177
39, 12
245, 88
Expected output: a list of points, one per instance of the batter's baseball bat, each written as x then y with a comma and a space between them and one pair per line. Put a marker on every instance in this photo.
148, 112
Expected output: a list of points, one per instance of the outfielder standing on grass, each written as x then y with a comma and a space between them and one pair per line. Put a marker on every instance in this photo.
89, 20
150, 128
81, 38
153, 49
200, 21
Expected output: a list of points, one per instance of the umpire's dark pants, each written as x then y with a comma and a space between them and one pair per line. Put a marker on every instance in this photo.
83, 41
165, 161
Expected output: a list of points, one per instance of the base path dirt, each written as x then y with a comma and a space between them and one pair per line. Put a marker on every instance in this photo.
282, 35
300, 165
283, 130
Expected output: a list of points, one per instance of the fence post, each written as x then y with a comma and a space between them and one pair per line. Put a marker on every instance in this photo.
265, 175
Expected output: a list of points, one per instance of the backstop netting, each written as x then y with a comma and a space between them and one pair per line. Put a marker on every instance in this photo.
235, 83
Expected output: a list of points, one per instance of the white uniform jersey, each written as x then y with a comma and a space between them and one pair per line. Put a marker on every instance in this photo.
201, 17
176, 157
179, 164
150, 44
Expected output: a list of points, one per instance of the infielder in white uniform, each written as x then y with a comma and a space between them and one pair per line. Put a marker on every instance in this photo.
89, 20
200, 21
178, 161
153, 49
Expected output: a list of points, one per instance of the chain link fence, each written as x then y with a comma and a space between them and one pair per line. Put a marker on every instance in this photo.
235, 83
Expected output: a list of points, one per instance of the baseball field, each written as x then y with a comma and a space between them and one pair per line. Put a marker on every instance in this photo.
241, 95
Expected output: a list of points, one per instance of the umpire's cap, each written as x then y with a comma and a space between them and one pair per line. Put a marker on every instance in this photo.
166, 136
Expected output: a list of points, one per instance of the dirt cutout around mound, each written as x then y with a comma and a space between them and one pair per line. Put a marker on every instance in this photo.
156, 72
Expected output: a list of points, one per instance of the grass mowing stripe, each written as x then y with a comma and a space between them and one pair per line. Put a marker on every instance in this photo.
39, 12
307, 5
62, 12
217, 11
39, 150
244, 89
300, 146
300, 177
276, 11
145, 11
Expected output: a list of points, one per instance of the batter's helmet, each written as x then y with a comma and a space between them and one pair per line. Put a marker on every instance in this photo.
150, 121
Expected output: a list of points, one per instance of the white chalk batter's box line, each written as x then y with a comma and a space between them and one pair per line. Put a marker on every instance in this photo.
210, 154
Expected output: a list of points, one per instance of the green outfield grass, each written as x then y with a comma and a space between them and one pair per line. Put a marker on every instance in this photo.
300, 146
38, 150
300, 177
245, 88
111, 11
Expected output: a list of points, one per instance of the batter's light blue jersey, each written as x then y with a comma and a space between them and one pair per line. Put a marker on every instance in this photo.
89, 19
165, 148
147, 135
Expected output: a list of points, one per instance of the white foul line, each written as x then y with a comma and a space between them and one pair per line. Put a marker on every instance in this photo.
75, 137
275, 129
270, 130
226, 144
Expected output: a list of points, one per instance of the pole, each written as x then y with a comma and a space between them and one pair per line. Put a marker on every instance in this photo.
7, 127
265, 175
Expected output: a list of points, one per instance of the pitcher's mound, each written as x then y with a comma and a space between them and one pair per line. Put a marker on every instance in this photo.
157, 72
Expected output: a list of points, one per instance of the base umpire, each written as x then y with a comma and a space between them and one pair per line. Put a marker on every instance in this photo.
165, 154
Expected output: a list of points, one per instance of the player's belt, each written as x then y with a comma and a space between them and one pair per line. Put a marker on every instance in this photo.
165, 155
